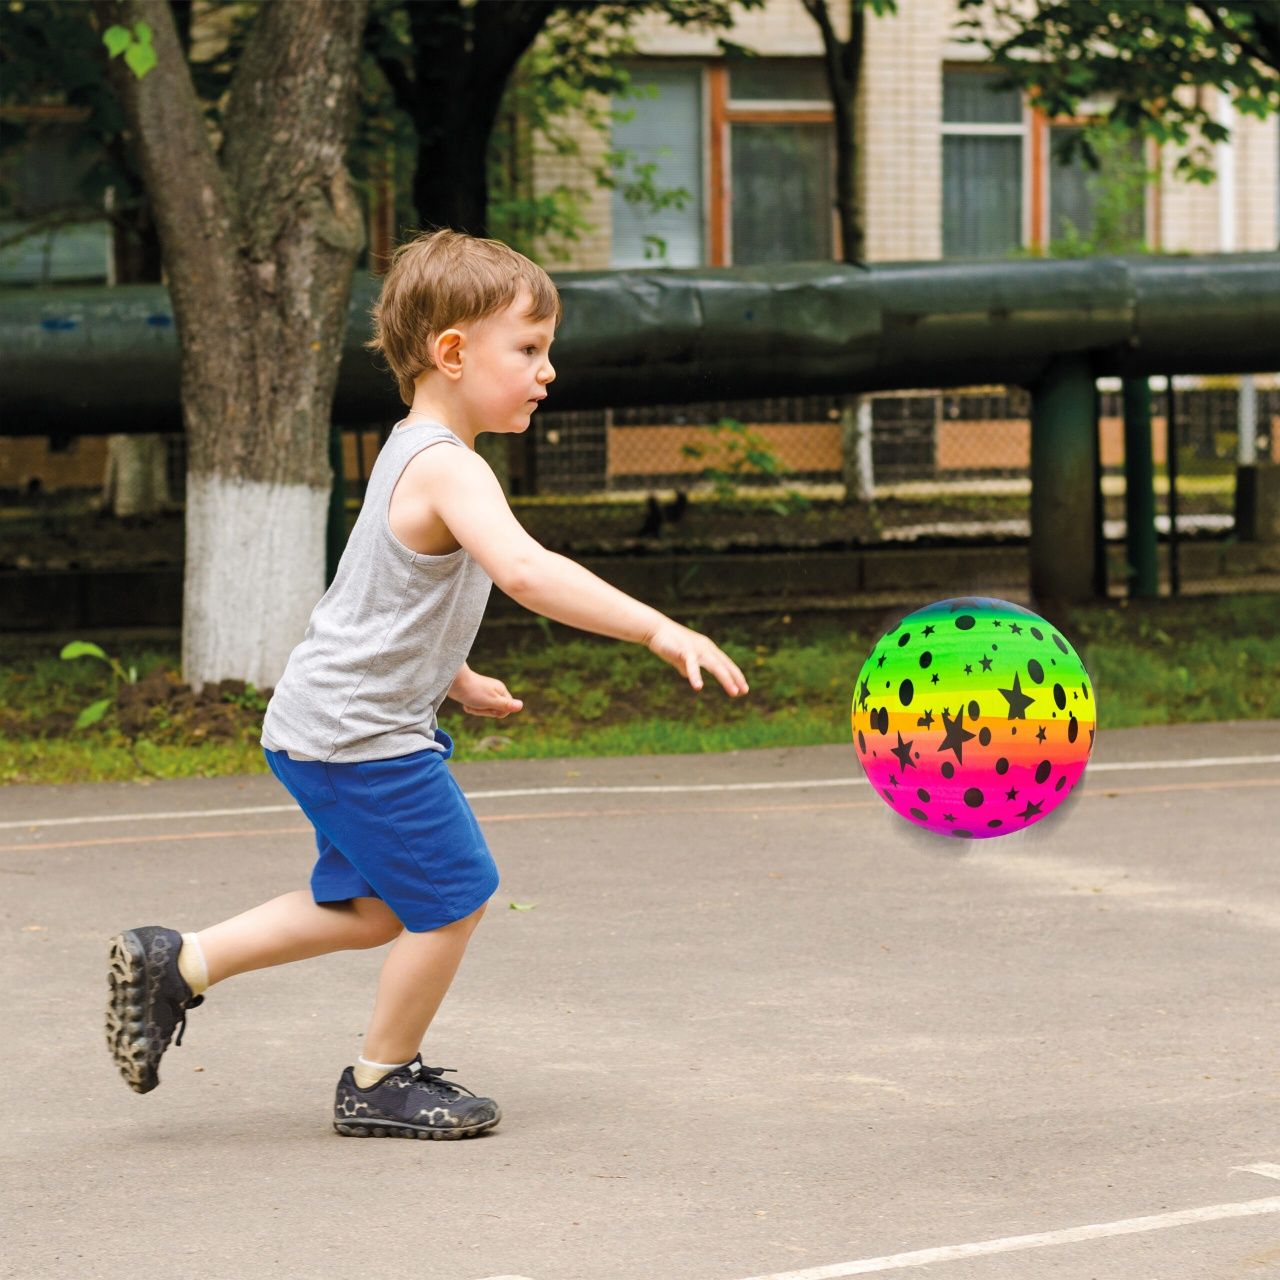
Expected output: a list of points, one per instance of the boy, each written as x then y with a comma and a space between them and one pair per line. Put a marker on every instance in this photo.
466, 326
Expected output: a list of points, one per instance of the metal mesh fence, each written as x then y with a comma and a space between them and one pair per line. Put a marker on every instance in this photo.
829, 470
798, 472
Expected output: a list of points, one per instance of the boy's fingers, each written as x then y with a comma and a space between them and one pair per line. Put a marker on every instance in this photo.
693, 671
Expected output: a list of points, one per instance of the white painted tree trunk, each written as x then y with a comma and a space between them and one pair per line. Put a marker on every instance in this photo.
137, 481
260, 547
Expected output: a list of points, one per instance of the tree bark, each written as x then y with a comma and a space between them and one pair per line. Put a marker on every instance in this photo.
259, 245
843, 62
463, 58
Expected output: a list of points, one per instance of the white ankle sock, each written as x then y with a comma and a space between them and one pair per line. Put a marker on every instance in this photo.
369, 1073
191, 964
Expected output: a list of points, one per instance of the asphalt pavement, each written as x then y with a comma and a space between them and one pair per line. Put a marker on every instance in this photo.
749, 1024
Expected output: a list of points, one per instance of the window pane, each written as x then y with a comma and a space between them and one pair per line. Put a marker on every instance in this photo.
782, 193
981, 196
1078, 194
665, 131
779, 80
968, 98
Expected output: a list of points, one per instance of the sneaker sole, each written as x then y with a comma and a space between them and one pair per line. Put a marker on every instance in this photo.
127, 1013
396, 1129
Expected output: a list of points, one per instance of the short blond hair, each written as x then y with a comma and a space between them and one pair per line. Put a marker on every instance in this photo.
444, 278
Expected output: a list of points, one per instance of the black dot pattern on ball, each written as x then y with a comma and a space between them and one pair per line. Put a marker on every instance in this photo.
965, 622
906, 691
974, 798
926, 658
1002, 765
1035, 671
1060, 697
1043, 770
948, 770
922, 795
973, 710
984, 736
904, 639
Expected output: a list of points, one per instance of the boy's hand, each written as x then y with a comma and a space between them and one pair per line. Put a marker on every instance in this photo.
483, 695
689, 651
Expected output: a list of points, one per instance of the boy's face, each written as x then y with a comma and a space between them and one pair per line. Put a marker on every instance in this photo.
506, 366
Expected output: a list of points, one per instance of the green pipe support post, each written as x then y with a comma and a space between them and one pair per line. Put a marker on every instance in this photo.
1139, 492
1064, 497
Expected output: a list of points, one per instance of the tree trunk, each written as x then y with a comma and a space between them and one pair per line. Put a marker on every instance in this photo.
259, 246
843, 62
137, 478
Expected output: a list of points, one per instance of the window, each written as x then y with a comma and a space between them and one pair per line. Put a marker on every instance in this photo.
983, 135
665, 131
1105, 206
762, 184
781, 161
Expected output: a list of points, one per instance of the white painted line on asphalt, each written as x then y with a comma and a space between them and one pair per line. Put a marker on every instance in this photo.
1267, 1170
1200, 762
1013, 1244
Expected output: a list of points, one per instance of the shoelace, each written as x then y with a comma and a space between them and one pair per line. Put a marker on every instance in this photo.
433, 1077
182, 1017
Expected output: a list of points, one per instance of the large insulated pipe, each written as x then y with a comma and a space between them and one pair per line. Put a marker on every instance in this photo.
92, 361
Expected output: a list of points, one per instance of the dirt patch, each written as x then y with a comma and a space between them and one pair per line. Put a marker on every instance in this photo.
164, 710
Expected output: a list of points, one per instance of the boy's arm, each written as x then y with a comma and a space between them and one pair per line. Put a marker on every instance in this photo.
465, 493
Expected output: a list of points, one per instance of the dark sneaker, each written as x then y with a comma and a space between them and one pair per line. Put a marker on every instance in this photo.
148, 999
412, 1101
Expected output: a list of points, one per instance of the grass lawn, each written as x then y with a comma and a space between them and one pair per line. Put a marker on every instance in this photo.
1207, 658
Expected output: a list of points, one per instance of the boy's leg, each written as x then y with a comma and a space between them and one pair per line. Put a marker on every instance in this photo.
415, 977
294, 927
150, 986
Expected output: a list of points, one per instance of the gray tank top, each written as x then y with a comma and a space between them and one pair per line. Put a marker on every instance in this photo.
386, 640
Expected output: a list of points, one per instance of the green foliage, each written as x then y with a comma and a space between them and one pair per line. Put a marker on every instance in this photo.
1168, 661
1147, 59
96, 710
139, 53
740, 455
1117, 190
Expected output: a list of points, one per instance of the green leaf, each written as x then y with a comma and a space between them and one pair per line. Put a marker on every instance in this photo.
117, 40
140, 57
523, 906
83, 649
92, 713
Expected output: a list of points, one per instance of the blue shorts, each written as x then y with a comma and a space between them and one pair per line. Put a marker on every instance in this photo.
400, 830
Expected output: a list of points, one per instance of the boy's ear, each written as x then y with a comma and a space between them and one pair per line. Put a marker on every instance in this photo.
447, 350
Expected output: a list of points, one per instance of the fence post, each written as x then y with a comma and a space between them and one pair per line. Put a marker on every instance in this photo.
1139, 491
1064, 497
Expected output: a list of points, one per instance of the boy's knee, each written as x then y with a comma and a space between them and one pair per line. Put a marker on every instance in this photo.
378, 926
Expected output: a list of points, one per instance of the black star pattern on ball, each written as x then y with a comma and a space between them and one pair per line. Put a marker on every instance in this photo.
934, 678
986, 664
928, 631
996, 623
956, 735
968, 670
1031, 811
1011, 794
903, 752
1040, 734
864, 694
1017, 630
1017, 700
881, 662
926, 720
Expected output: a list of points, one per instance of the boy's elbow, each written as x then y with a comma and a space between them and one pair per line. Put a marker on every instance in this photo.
518, 575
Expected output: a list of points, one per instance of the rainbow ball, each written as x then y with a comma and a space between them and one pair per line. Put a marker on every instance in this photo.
973, 717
